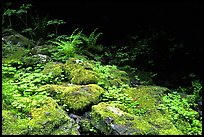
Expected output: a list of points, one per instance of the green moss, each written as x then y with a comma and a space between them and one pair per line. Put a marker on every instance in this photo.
118, 77
83, 77
123, 123
12, 124
86, 127
80, 72
149, 98
52, 68
47, 118
69, 128
75, 97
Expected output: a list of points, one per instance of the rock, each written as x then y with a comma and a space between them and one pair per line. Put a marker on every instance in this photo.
111, 123
55, 69
149, 97
75, 97
80, 72
35, 59
14, 38
48, 119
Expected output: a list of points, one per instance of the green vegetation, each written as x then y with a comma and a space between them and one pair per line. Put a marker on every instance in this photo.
38, 93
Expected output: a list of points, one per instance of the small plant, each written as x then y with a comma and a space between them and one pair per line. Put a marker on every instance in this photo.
91, 39
66, 46
179, 111
56, 23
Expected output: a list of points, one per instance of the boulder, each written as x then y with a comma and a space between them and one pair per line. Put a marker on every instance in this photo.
75, 97
111, 120
80, 72
48, 119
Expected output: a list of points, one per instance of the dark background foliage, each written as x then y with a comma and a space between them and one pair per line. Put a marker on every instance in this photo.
117, 20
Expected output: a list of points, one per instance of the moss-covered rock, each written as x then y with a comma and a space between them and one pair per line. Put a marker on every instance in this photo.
12, 124
75, 97
111, 120
53, 68
80, 72
48, 119
149, 97
118, 77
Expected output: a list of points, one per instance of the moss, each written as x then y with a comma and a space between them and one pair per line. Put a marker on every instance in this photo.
86, 127
75, 97
53, 68
48, 118
80, 72
12, 124
83, 77
69, 128
148, 98
111, 120
111, 76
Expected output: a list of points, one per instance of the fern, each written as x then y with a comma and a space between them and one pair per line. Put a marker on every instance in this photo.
91, 40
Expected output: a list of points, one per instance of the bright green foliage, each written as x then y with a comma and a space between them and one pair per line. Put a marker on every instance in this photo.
115, 94
8, 90
184, 118
110, 75
66, 46
8, 71
63, 50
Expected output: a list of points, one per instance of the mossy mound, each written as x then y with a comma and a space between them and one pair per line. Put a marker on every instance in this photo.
53, 68
80, 72
75, 97
12, 124
118, 77
149, 97
111, 120
45, 120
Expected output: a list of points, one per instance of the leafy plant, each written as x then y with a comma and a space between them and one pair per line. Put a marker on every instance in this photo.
66, 46
179, 110
21, 14
56, 23
91, 39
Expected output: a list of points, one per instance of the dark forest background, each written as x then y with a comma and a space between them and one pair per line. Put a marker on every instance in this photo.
181, 20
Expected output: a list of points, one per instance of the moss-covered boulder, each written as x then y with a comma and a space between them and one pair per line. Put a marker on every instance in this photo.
49, 119
54, 69
148, 98
80, 72
12, 124
75, 97
111, 120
